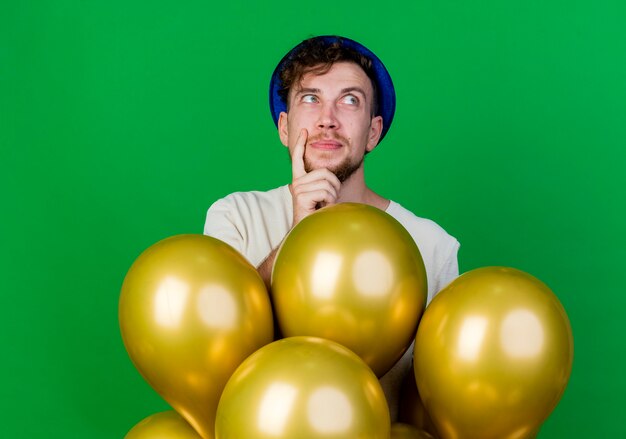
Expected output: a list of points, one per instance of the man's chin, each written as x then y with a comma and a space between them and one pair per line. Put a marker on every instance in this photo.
331, 165
342, 171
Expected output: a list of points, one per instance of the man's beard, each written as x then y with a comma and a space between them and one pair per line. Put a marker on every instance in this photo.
342, 171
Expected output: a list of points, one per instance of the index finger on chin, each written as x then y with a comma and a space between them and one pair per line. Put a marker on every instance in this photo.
297, 157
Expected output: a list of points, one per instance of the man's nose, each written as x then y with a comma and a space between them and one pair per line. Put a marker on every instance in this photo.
328, 117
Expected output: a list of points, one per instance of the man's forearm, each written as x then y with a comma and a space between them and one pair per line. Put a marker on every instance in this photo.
265, 269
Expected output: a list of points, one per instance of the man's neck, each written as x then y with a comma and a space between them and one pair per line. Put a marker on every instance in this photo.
354, 190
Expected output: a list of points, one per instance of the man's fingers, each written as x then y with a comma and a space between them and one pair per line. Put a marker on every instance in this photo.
323, 174
310, 201
315, 186
297, 157
310, 190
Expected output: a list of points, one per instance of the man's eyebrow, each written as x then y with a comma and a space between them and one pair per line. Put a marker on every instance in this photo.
307, 90
351, 89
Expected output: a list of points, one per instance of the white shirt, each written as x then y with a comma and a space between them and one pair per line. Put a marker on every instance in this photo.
255, 223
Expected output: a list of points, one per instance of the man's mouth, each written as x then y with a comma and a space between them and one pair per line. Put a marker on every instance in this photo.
326, 144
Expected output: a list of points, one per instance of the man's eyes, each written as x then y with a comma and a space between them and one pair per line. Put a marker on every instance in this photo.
347, 99
350, 99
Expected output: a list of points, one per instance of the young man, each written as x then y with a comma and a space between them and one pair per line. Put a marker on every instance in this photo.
332, 101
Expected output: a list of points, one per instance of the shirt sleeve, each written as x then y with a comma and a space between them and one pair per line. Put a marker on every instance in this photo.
223, 223
449, 267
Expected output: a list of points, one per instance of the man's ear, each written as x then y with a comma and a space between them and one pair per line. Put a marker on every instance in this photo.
376, 128
283, 128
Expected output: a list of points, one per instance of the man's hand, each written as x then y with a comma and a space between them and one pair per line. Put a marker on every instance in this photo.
310, 190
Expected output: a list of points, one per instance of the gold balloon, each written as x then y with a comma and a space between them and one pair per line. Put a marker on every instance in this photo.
191, 310
164, 425
411, 409
406, 431
305, 388
493, 355
351, 273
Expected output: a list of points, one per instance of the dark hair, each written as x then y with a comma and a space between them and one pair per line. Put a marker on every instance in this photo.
317, 55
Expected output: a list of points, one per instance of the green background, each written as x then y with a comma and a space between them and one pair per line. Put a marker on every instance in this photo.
121, 122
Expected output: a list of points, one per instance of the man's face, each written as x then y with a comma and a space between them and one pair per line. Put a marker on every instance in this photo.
335, 108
